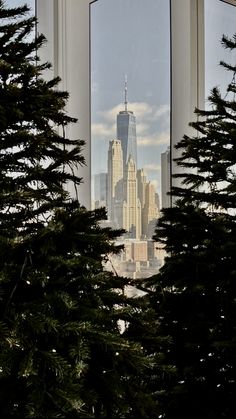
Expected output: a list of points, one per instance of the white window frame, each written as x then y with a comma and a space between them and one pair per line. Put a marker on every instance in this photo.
66, 25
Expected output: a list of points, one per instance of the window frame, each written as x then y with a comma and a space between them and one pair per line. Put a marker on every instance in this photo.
66, 25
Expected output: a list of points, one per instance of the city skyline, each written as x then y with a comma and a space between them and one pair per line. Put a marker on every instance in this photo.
143, 149
126, 139
131, 198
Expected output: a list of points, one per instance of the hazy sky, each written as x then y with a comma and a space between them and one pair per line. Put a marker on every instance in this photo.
220, 18
15, 3
131, 37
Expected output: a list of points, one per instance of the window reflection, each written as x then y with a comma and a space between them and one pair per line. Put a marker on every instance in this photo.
18, 3
220, 18
130, 90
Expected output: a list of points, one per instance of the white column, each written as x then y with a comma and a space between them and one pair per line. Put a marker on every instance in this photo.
187, 68
65, 23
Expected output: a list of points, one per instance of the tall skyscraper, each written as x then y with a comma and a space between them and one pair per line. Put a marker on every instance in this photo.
115, 177
165, 178
132, 209
126, 131
150, 211
142, 181
100, 189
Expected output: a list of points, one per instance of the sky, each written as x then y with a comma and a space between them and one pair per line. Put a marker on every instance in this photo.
129, 38
16, 3
220, 18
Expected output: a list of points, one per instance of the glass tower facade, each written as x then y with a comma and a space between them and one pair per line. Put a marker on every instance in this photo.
126, 133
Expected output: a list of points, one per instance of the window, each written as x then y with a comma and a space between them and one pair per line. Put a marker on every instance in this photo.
17, 3
130, 123
220, 18
69, 25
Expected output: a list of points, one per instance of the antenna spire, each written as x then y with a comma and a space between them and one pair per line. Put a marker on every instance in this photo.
126, 102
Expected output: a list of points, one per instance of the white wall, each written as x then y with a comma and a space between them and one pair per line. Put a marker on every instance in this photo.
65, 23
187, 68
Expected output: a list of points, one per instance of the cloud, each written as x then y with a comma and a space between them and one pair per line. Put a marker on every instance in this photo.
103, 131
162, 110
142, 129
152, 123
141, 110
152, 167
154, 139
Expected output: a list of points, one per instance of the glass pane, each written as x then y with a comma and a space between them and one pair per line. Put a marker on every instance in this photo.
17, 3
130, 119
31, 6
220, 18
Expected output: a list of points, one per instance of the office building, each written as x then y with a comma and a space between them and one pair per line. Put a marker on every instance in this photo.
142, 181
150, 211
165, 178
126, 132
132, 214
115, 177
100, 189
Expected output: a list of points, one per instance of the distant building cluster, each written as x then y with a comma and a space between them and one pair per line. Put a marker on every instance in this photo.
139, 259
131, 199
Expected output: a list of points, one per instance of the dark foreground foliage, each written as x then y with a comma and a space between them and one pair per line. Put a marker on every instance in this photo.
62, 353
194, 296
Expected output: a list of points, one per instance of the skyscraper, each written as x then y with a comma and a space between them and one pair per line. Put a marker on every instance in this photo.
150, 211
115, 177
126, 132
142, 181
132, 210
165, 178
100, 189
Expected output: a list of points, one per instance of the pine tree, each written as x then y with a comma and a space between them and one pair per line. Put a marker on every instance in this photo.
62, 351
194, 295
